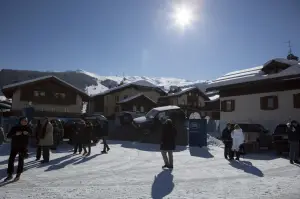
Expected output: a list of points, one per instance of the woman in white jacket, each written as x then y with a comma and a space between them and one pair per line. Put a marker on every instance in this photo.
237, 140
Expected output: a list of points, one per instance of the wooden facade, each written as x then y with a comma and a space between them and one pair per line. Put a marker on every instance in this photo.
106, 103
140, 103
49, 96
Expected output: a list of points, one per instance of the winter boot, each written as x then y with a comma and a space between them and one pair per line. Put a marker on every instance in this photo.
104, 152
165, 166
291, 161
17, 177
9, 177
44, 161
170, 166
297, 161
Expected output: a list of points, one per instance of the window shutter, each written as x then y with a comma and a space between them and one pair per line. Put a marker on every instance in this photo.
275, 98
223, 106
263, 103
297, 100
232, 105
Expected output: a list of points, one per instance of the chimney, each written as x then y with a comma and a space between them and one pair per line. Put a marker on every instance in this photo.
292, 57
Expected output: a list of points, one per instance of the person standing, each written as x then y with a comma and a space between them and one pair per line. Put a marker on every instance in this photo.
104, 135
168, 143
2, 136
237, 140
227, 140
293, 129
78, 136
45, 140
19, 142
87, 138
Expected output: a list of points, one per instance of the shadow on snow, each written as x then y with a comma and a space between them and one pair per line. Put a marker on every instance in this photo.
162, 185
200, 152
247, 167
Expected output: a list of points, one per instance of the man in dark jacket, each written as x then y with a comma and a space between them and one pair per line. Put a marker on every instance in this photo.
102, 128
227, 140
293, 129
168, 143
87, 137
78, 136
19, 142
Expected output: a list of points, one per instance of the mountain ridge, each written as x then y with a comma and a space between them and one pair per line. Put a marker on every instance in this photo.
93, 83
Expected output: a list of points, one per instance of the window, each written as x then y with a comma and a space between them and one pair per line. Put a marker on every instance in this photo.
60, 95
134, 108
53, 109
116, 98
190, 94
142, 109
297, 100
199, 103
117, 109
269, 103
228, 105
39, 93
66, 110
183, 102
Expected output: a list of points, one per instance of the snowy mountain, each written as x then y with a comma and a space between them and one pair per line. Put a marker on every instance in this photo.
93, 83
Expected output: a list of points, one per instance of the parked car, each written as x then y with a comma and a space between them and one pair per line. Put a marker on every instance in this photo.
280, 139
156, 116
256, 137
126, 117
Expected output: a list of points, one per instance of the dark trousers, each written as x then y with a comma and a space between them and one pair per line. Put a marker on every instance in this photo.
105, 145
237, 154
11, 160
46, 153
77, 146
227, 150
87, 146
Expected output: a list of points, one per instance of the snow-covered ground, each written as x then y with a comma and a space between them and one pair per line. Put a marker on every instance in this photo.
133, 170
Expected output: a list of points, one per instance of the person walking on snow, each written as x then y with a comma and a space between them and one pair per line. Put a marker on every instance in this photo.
237, 140
103, 128
78, 138
227, 140
19, 142
293, 129
168, 143
45, 140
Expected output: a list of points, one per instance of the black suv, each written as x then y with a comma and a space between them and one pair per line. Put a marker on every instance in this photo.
156, 116
281, 139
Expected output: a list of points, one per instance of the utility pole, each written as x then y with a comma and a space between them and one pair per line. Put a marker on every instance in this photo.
290, 47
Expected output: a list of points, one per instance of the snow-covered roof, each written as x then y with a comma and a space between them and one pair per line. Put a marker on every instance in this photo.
39, 79
165, 108
183, 90
255, 74
134, 97
214, 97
143, 83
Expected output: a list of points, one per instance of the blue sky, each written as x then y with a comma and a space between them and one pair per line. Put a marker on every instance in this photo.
137, 37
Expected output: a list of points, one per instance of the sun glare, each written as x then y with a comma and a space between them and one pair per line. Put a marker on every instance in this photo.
183, 16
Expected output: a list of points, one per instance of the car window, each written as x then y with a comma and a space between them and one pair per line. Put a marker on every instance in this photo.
280, 129
161, 115
250, 127
151, 114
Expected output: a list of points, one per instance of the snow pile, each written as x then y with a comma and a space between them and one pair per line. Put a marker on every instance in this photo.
134, 171
212, 141
2, 98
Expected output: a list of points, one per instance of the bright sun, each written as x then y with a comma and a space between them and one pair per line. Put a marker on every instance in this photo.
183, 16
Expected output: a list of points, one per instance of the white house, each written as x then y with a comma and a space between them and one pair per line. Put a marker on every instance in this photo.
267, 94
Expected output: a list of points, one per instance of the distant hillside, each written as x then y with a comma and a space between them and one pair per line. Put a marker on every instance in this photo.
90, 82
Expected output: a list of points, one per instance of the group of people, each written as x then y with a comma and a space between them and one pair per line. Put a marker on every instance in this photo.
233, 140
21, 133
